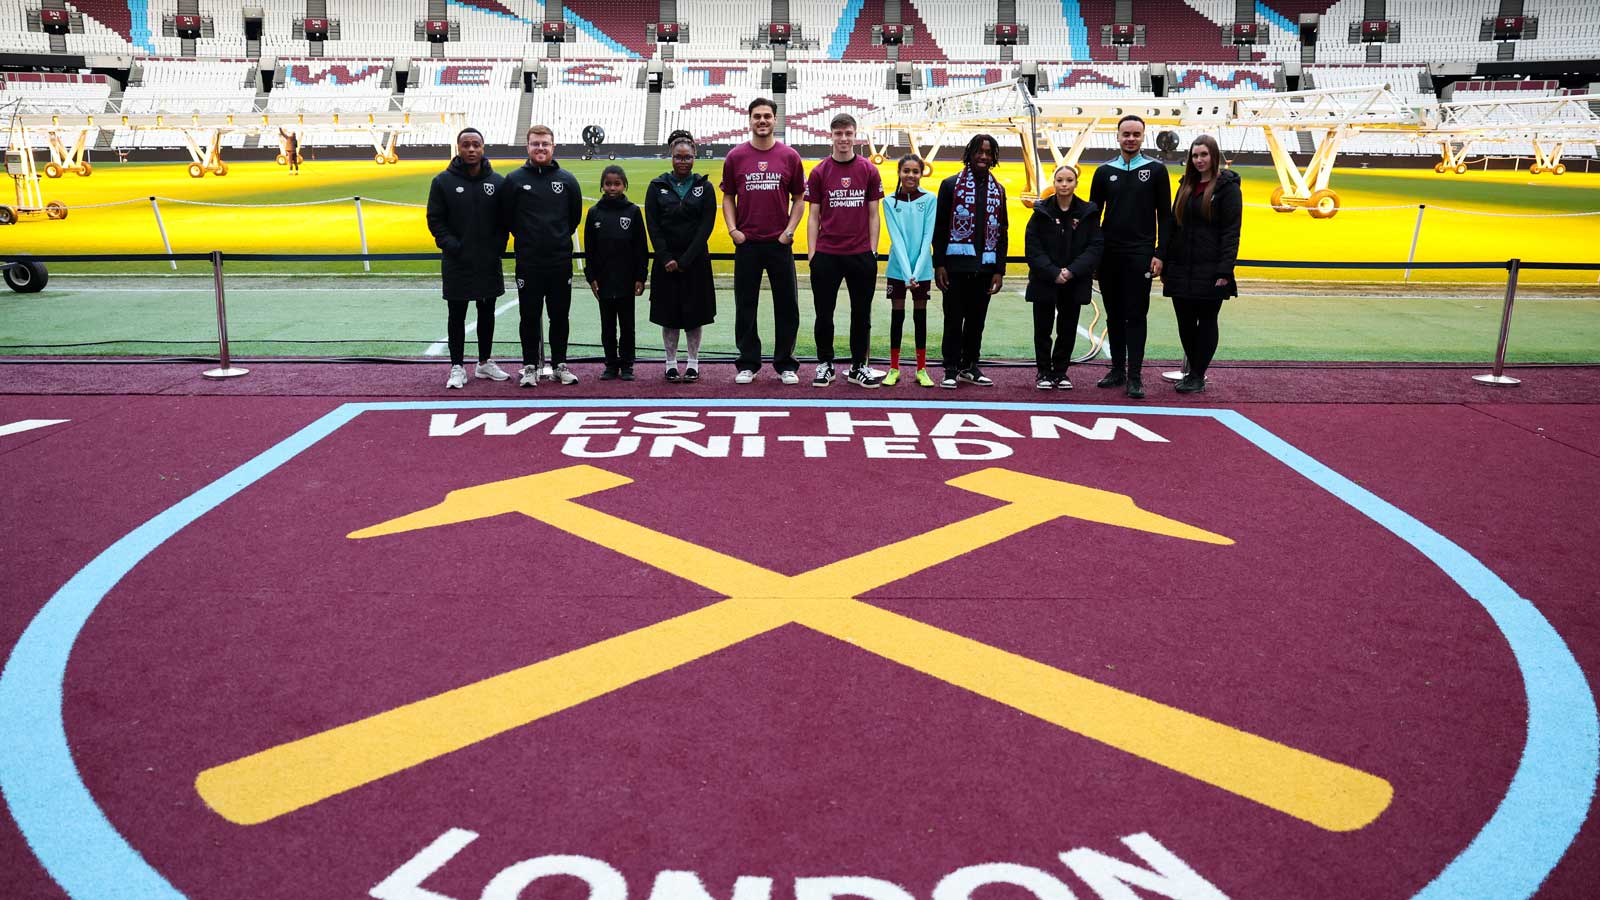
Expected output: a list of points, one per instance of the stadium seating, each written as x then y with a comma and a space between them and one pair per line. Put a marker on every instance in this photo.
332, 85
186, 85
591, 92
825, 89
72, 91
488, 91
710, 99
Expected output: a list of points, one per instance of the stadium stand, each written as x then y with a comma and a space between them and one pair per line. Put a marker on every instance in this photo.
186, 85
828, 88
716, 27
86, 92
488, 91
618, 25
592, 92
1053, 32
331, 85
710, 99
366, 28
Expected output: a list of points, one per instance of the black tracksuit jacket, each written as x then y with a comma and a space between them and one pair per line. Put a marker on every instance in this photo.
542, 206
463, 216
1136, 211
616, 251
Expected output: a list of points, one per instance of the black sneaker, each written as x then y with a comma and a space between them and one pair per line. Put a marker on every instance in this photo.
672, 375
626, 374
1046, 382
860, 376
1114, 378
824, 376
975, 376
1190, 385
691, 375
1135, 388
609, 373
949, 382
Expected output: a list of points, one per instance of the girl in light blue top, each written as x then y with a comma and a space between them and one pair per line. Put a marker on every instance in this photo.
909, 213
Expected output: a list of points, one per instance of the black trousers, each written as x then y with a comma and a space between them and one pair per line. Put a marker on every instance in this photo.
966, 308
538, 291
1061, 317
775, 260
859, 272
1197, 330
616, 331
1125, 289
456, 329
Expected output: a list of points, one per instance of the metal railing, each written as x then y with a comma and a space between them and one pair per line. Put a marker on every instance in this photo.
226, 369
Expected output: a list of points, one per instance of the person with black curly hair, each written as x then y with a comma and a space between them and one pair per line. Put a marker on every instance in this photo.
969, 256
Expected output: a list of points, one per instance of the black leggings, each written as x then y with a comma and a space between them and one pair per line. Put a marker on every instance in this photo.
616, 320
1197, 329
456, 329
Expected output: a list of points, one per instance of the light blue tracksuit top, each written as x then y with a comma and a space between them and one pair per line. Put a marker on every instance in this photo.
910, 237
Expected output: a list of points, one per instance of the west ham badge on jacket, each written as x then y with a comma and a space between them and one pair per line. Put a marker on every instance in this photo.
557, 186
488, 188
1144, 174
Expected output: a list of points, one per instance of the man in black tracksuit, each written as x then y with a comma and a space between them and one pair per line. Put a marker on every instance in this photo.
463, 217
1136, 197
541, 205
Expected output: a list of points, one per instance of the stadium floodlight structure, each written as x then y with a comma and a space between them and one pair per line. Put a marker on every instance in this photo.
204, 121
1550, 124
1063, 127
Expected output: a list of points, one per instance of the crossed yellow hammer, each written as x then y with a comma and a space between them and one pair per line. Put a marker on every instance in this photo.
296, 774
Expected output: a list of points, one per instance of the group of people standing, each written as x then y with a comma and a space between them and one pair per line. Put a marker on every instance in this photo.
1129, 232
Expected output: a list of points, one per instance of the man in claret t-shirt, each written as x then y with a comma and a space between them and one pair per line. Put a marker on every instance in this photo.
842, 238
762, 183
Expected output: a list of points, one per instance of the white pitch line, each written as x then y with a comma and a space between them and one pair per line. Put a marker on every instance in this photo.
28, 425
438, 347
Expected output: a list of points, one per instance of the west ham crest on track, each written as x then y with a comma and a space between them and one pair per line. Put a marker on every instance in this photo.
617, 643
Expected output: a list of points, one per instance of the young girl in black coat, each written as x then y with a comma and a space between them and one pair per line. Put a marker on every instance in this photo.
616, 254
1063, 245
1205, 245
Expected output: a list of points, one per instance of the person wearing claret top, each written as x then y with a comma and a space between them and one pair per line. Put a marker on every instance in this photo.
763, 181
842, 237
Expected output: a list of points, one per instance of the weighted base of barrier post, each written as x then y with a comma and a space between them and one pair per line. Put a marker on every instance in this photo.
1173, 376
225, 372
1498, 380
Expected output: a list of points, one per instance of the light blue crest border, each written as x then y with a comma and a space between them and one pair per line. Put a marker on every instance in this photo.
1536, 821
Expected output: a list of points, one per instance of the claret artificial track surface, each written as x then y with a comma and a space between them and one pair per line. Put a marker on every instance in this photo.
331, 631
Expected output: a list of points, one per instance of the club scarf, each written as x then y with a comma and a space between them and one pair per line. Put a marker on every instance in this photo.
963, 222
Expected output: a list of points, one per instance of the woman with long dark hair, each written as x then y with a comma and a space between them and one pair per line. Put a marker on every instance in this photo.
1198, 274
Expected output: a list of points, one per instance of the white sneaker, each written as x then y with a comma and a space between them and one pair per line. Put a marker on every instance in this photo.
458, 377
789, 377
488, 369
547, 373
564, 374
530, 377
745, 376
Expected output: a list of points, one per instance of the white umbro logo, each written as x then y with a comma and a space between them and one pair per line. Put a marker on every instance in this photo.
527, 187
1113, 178
460, 189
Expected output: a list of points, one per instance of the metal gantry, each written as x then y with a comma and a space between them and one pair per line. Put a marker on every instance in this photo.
1063, 127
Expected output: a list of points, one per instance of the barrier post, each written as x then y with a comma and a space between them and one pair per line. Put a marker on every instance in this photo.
161, 227
1415, 233
227, 369
1497, 377
361, 229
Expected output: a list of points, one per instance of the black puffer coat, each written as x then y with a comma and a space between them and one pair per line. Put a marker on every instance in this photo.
463, 217
1059, 239
1204, 249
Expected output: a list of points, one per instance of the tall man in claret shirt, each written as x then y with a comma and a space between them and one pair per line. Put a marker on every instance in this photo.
842, 234
1136, 196
762, 185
